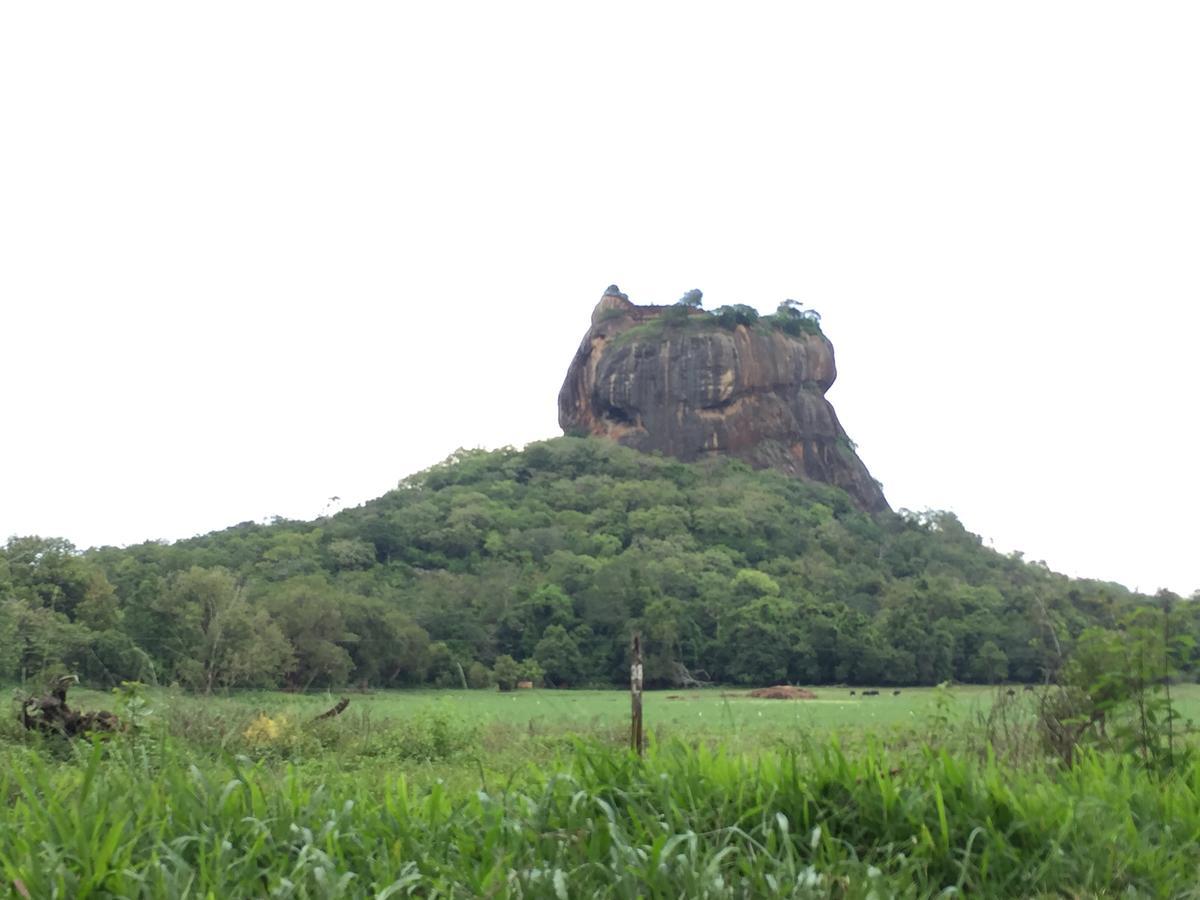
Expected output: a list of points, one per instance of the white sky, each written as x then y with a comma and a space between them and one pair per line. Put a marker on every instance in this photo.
253, 255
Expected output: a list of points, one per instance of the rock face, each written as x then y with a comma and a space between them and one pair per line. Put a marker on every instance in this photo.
696, 389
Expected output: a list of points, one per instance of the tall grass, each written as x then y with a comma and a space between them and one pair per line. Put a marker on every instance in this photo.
147, 819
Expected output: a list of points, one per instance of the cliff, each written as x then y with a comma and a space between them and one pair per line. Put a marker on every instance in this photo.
684, 385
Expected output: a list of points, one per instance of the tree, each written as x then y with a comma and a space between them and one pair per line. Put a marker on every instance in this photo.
558, 655
112, 657
792, 319
49, 572
391, 648
44, 641
291, 554
309, 612
350, 553
922, 651
507, 672
990, 665
519, 627
751, 583
10, 656
223, 641
479, 676
99, 609
661, 627
763, 643
741, 573
531, 671
445, 669
693, 298
738, 314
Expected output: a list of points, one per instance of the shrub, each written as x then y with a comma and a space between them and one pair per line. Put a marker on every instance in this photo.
730, 317
507, 673
531, 670
479, 676
676, 315
431, 735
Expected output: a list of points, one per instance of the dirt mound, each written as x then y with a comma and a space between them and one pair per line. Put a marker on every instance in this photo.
783, 692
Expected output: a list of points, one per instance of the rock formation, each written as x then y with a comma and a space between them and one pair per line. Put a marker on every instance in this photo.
685, 386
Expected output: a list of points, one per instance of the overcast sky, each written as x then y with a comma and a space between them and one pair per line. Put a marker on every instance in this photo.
255, 255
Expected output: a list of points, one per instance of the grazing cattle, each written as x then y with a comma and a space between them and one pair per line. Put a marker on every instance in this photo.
852, 693
1011, 692
870, 693
1028, 687
524, 685
896, 692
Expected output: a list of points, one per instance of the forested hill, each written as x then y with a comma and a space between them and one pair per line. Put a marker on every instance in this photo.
552, 555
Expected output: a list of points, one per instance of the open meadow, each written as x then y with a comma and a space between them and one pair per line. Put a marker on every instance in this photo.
722, 713
535, 794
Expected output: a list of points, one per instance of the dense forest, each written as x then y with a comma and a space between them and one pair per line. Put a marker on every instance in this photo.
540, 563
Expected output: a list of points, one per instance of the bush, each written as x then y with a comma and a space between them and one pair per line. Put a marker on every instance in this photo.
507, 673
676, 315
531, 670
432, 735
730, 317
479, 676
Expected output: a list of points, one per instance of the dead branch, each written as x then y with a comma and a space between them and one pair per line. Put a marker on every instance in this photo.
335, 710
684, 678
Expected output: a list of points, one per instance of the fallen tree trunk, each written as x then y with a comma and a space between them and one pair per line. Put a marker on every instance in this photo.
336, 710
50, 714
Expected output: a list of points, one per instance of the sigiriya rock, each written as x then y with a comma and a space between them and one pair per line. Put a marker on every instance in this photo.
691, 384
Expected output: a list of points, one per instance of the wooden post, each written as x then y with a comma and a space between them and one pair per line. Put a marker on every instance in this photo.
635, 692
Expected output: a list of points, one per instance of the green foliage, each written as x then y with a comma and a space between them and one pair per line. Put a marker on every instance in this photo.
507, 672
432, 735
1116, 691
309, 611
684, 822
479, 676
554, 554
350, 554
10, 655
990, 665
730, 317
557, 654
132, 707
215, 638
532, 671
679, 314
791, 319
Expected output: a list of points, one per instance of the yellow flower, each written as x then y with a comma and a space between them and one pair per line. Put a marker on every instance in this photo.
264, 729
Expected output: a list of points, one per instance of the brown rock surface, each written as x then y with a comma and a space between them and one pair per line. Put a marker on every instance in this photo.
697, 390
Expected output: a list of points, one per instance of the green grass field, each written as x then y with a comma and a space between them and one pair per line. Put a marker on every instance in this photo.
535, 794
450, 736
722, 713
531, 724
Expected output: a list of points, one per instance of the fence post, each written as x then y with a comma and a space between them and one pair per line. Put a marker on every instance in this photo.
635, 693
